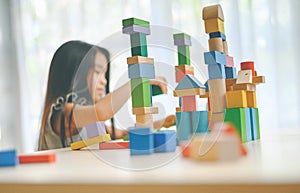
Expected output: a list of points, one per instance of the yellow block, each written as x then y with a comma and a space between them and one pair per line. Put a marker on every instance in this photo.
251, 99
236, 99
213, 11
91, 141
214, 25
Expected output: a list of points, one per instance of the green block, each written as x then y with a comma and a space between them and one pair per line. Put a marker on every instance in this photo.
135, 21
256, 114
237, 116
156, 90
140, 92
184, 55
138, 44
182, 36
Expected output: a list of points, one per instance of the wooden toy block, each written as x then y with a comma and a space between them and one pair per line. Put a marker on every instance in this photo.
156, 90
230, 72
164, 142
229, 61
38, 158
249, 65
184, 55
206, 95
91, 141
255, 128
213, 11
188, 82
251, 99
216, 71
258, 79
182, 42
216, 44
225, 48
136, 29
138, 44
126, 138
214, 25
217, 92
214, 147
185, 150
135, 21
240, 118
178, 109
141, 141
216, 119
200, 121
244, 76
217, 35
95, 129
181, 36
246, 87
214, 57
141, 70
114, 145
189, 92
144, 110
140, 59
145, 120
188, 103
230, 129
8, 158
183, 126
206, 86
180, 74
140, 92
236, 99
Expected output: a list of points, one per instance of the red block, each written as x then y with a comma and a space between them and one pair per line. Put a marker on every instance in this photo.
229, 61
39, 158
188, 103
114, 145
180, 74
249, 65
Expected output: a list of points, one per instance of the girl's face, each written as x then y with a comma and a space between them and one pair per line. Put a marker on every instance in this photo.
96, 80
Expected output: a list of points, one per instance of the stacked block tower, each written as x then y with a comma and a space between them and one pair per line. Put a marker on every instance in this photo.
188, 119
140, 71
231, 98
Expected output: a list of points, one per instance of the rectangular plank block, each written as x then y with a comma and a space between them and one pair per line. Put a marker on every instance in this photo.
183, 125
189, 92
114, 145
140, 59
214, 57
8, 158
214, 25
246, 87
37, 158
164, 142
140, 92
236, 99
136, 29
141, 70
141, 141
91, 141
144, 110
217, 35
255, 128
138, 44
135, 21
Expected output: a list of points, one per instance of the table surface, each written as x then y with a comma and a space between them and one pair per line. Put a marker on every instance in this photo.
272, 161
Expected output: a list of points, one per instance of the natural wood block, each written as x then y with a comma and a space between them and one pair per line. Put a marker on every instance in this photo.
214, 25
188, 103
182, 70
145, 120
140, 59
189, 92
217, 91
206, 95
246, 87
225, 48
258, 79
91, 141
214, 11
251, 99
244, 76
216, 44
236, 99
144, 110
178, 109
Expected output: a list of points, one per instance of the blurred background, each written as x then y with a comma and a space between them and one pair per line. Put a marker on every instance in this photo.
266, 31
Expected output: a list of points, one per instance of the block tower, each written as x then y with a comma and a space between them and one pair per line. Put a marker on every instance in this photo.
232, 98
188, 119
140, 71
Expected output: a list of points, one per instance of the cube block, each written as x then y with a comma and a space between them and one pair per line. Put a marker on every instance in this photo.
230, 72
214, 25
236, 99
214, 57
215, 44
8, 158
141, 141
200, 121
188, 103
213, 11
141, 70
216, 71
164, 142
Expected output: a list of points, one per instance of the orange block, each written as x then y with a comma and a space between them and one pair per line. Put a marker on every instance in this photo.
251, 99
249, 65
188, 103
182, 70
114, 145
39, 158
236, 99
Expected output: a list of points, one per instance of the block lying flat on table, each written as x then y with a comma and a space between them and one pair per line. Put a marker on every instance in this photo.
114, 145
38, 158
91, 141
8, 158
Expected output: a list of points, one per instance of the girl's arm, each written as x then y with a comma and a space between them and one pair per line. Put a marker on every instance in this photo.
166, 122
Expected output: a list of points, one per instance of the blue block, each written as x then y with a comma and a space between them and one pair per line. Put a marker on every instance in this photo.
200, 121
141, 141
217, 35
255, 123
140, 70
248, 124
164, 142
8, 158
184, 125
230, 72
216, 71
189, 81
206, 86
214, 57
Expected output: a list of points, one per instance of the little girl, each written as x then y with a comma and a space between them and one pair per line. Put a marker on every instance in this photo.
77, 82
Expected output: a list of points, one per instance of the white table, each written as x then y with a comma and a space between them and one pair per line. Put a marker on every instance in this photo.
272, 165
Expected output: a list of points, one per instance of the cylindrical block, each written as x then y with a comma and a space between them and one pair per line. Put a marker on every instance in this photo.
217, 95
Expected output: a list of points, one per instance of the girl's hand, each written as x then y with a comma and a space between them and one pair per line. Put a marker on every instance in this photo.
169, 121
161, 82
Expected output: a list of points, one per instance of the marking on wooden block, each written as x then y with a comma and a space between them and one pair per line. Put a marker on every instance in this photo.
244, 76
91, 141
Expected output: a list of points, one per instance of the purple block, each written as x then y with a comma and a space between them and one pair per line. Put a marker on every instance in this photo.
182, 42
136, 29
95, 129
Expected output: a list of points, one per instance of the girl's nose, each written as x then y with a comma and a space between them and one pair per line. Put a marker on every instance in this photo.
102, 79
